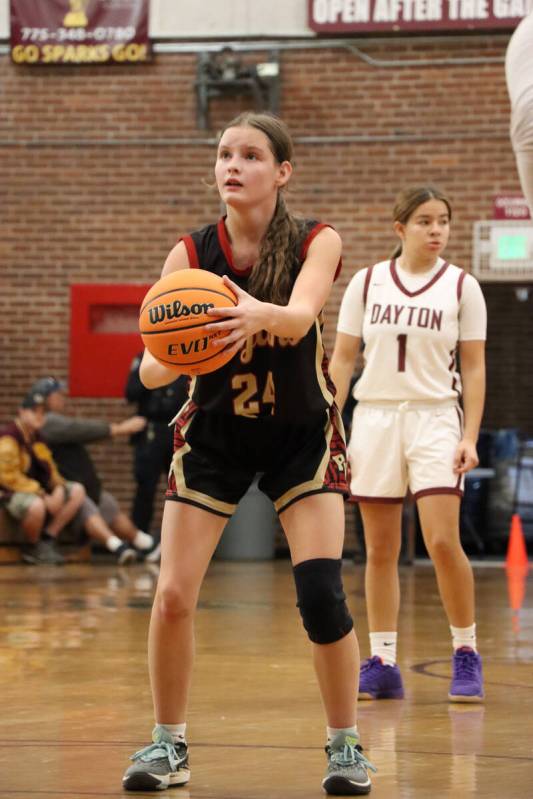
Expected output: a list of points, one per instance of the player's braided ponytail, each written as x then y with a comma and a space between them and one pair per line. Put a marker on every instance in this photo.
273, 274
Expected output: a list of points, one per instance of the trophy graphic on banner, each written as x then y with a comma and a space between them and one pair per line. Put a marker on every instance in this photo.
76, 17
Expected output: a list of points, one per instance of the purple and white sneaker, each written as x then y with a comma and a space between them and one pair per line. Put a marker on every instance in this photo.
467, 679
377, 681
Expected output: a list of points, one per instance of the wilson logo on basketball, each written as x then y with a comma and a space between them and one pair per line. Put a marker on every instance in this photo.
177, 309
174, 315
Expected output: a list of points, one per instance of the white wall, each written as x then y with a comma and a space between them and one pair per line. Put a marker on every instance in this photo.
205, 19
214, 18
4, 19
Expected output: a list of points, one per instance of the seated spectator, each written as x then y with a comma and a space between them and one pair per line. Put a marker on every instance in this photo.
104, 523
100, 515
31, 488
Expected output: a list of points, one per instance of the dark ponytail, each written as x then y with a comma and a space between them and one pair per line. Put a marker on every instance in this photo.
273, 274
397, 251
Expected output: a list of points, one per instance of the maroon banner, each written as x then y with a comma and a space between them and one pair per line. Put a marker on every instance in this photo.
510, 206
351, 16
79, 31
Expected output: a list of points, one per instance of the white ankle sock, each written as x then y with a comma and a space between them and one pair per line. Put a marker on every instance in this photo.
383, 645
113, 543
176, 730
464, 636
143, 540
332, 732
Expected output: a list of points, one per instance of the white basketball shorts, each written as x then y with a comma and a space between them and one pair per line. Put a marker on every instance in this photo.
396, 446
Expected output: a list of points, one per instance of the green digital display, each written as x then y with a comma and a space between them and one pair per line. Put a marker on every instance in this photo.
512, 246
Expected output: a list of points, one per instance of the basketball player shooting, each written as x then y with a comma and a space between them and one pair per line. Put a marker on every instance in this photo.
246, 418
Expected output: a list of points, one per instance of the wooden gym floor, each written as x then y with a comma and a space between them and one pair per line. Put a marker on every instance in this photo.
75, 698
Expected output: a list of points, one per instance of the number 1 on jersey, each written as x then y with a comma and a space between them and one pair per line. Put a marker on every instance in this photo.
402, 347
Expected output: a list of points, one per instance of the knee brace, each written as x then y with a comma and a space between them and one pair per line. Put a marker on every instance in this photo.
321, 600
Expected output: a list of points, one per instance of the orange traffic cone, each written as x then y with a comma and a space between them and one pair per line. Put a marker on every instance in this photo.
516, 587
516, 548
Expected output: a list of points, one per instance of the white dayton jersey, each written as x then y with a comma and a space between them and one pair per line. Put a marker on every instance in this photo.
411, 325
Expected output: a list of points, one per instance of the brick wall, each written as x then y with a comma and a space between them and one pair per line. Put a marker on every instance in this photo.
102, 167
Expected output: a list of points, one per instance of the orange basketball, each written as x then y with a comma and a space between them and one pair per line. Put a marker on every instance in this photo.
173, 318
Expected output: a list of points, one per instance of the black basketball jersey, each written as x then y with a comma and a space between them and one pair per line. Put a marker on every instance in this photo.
269, 376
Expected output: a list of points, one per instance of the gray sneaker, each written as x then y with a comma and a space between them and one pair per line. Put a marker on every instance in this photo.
44, 551
346, 774
158, 766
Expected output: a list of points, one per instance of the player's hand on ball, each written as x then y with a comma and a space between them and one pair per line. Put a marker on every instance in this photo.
240, 322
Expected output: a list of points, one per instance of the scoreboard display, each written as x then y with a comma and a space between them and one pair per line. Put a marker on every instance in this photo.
503, 251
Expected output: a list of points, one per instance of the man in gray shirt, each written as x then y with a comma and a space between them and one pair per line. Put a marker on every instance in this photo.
100, 515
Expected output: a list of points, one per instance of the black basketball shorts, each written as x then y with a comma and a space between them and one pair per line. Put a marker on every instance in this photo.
217, 456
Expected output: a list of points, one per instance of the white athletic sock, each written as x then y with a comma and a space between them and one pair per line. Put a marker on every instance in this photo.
143, 540
384, 646
464, 636
113, 543
176, 730
332, 732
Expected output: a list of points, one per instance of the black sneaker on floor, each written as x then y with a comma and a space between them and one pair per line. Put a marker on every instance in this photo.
161, 765
43, 552
154, 555
125, 554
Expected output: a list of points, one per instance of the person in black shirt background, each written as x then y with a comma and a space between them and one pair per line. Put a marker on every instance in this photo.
153, 446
